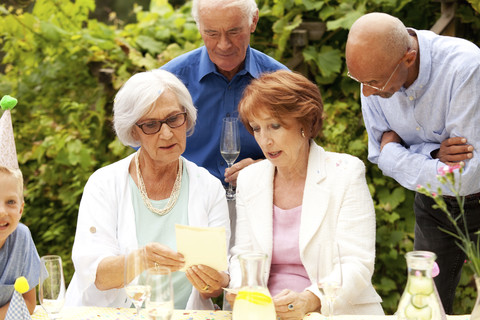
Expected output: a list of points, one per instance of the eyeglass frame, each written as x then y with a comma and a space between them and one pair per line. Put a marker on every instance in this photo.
386, 83
165, 121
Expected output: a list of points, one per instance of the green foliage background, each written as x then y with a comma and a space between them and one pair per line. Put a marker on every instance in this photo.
65, 68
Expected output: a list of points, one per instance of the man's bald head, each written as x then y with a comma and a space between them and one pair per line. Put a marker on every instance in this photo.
377, 38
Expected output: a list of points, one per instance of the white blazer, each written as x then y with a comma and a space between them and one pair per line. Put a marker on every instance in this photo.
106, 227
336, 205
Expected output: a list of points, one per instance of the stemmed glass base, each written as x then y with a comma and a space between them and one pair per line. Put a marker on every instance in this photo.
230, 192
330, 303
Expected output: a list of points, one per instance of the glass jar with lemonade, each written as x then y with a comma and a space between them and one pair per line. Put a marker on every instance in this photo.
253, 301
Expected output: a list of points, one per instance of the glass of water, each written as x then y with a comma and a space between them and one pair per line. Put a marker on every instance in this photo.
135, 286
51, 289
160, 303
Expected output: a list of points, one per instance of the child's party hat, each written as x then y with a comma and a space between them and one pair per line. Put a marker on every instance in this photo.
17, 310
8, 152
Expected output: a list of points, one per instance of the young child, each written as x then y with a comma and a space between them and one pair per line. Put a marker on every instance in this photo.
18, 255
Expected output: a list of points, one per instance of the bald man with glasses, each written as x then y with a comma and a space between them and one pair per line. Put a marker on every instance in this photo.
420, 95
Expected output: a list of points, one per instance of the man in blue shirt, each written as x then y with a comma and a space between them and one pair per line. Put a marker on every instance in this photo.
420, 100
216, 75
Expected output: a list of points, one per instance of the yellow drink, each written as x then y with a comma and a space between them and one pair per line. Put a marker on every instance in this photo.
253, 304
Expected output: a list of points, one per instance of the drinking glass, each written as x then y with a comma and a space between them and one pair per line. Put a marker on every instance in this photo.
135, 277
160, 301
51, 289
230, 146
331, 281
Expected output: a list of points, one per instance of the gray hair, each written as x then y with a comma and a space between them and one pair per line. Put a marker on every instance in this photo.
137, 96
249, 8
17, 174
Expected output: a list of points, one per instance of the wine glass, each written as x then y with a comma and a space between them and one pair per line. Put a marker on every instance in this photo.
51, 290
331, 281
135, 277
230, 146
160, 301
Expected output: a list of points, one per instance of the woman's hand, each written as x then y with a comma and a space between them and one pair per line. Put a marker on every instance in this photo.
230, 297
231, 174
208, 281
293, 305
159, 255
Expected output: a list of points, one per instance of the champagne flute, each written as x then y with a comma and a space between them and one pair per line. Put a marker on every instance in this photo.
230, 146
331, 281
135, 286
160, 302
51, 290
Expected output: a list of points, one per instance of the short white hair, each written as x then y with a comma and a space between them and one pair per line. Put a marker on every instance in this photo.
137, 96
249, 8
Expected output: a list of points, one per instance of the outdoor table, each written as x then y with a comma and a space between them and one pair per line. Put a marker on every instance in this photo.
91, 313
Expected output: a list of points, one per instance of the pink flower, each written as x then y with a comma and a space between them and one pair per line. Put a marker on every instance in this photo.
449, 169
435, 270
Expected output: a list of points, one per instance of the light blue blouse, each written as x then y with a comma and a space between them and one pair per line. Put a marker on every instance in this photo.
152, 227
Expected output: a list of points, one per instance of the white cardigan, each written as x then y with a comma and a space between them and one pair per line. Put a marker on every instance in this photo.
336, 205
106, 227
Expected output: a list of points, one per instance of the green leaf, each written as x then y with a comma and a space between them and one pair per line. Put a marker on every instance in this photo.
345, 22
388, 284
150, 44
312, 4
390, 200
328, 60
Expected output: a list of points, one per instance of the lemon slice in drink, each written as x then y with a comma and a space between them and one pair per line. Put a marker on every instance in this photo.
420, 285
413, 313
254, 297
419, 301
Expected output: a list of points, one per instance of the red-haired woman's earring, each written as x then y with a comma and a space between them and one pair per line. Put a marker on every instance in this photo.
303, 133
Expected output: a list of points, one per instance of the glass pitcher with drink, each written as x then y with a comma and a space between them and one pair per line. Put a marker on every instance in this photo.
420, 300
253, 301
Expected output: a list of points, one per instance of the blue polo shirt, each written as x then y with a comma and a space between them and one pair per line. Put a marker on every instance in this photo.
215, 98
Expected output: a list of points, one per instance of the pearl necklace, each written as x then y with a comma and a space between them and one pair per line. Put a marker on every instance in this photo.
173, 195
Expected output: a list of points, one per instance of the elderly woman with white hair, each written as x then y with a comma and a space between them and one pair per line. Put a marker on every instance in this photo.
137, 201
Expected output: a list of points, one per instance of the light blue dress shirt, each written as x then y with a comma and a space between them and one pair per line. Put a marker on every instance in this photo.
443, 102
215, 98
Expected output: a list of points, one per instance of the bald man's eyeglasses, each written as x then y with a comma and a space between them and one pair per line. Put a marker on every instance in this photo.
374, 87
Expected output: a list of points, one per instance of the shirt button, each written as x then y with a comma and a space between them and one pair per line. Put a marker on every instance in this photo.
411, 98
93, 229
417, 128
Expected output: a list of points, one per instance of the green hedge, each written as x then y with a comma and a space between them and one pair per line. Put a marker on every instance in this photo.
65, 69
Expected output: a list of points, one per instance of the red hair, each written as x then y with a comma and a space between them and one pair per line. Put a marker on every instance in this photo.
284, 95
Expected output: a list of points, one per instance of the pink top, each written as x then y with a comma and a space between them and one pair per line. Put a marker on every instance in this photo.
287, 270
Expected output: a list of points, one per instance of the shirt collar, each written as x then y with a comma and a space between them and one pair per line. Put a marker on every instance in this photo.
424, 71
207, 66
